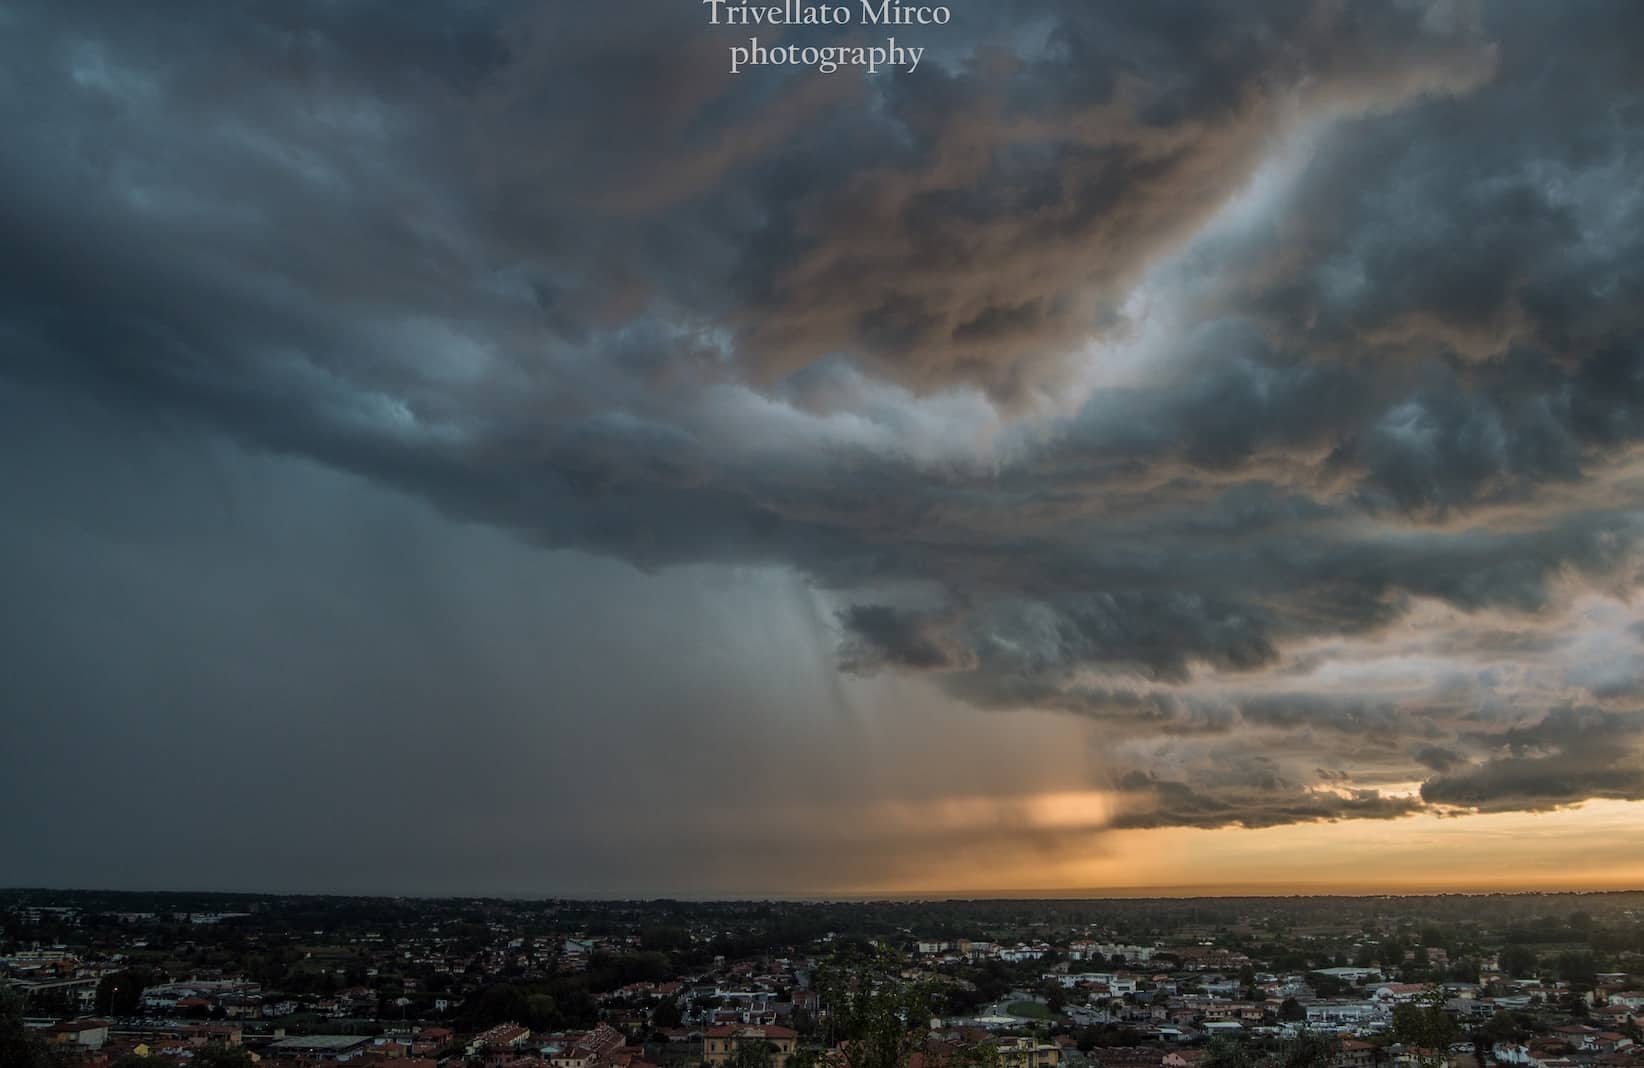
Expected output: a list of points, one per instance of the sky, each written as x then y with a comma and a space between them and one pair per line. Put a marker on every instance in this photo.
477, 447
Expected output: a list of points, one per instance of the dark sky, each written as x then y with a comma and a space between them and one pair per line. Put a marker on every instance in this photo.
490, 447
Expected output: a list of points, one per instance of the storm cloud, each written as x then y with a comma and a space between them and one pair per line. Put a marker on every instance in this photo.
1252, 387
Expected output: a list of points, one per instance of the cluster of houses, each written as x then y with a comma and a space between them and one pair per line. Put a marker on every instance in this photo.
1160, 1004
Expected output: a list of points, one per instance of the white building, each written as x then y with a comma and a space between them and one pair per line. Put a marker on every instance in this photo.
1344, 1013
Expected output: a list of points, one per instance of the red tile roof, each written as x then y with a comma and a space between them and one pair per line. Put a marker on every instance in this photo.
751, 1031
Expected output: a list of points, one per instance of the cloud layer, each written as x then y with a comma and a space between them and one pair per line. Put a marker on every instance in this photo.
1261, 385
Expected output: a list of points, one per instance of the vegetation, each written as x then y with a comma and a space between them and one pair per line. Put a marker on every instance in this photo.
217, 1056
19, 1048
876, 1020
1425, 1027
1308, 1049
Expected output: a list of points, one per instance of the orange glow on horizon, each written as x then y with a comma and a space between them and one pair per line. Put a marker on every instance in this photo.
1595, 846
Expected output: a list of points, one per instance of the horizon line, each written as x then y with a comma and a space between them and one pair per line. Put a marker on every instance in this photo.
1179, 892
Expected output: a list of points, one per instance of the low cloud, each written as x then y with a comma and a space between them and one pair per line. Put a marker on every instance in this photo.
1572, 755
1269, 803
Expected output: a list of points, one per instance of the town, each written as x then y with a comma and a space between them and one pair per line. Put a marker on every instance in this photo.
122, 980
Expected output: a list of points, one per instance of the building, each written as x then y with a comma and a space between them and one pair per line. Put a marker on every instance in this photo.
87, 1034
1353, 1053
719, 1044
502, 1036
1344, 1013
340, 1049
1027, 1052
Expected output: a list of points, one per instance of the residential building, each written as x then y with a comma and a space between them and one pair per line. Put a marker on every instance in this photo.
719, 1044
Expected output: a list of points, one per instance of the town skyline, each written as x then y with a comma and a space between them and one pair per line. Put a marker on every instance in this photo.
150, 980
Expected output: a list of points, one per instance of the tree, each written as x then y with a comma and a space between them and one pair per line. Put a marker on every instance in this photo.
220, 1056
1518, 961
876, 1020
1578, 968
667, 1014
1224, 1052
1306, 1049
1328, 986
19, 1048
1291, 1009
752, 1055
541, 1012
1503, 1027
1425, 1025
983, 1054
119, 994
1484, 1040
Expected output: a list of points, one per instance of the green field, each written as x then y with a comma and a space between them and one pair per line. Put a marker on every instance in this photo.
1030, 1009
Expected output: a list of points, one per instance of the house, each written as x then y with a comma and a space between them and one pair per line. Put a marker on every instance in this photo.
225, 1034
431, 1040
1417, 1057
601, 1041
502, 1036
1611, 1042
87, 1033
719, 1044
1353, 1053
1127, 1057
1026, 1052
568, 1057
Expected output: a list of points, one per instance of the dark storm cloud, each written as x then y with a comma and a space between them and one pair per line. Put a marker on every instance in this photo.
1050, 178
1153, 635
1124, 361
1572, 755
1478, 221
1438, 757
882, 636
1265, 801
